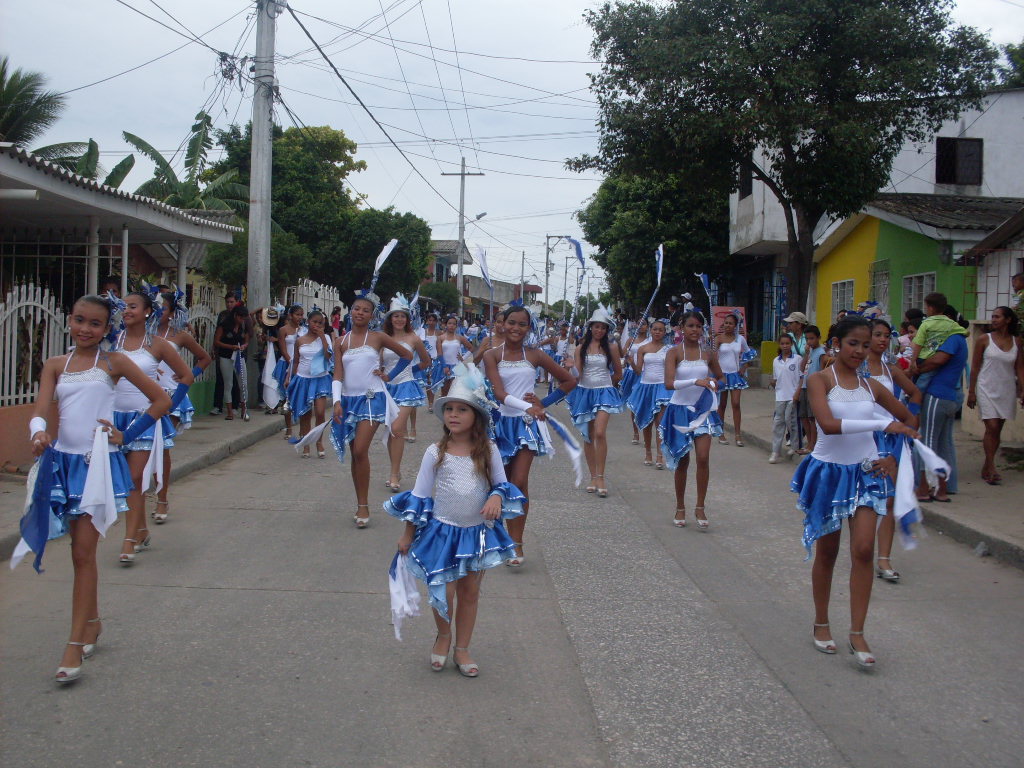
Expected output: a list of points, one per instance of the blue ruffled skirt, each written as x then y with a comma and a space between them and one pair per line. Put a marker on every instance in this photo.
584, 403
628, 382
889, 445
442, 553
69, 471
357, 408
183, 413
303, 390
734, 381
422, 378
646, 401
512, 434
144, 442
829, 493
675, 444
438, 376
280, 375
408, 393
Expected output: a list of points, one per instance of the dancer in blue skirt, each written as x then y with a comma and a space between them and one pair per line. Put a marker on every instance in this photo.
452, 347
454, 516
649, 396
310, 384
630, 371
286, 337
734, 355
843, 479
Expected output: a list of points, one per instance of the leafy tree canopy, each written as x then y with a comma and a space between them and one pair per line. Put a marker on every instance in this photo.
827, 91
1011, 70
290, 261
445, 294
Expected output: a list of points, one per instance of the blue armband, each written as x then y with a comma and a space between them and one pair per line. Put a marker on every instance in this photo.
400, 366
197, 371
555, 396
180, 393
914, 408
136, 428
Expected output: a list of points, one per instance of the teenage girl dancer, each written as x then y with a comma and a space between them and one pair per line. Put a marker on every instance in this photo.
431, 340
309, 384
451, 344
896, 382
689, 371
733, 357
286, 336
453, 517
361, 402
173, 329
495, 339
510, 369
405, 388
630, 375
131, 402
596, 398
649, 396
841, 479
83, 384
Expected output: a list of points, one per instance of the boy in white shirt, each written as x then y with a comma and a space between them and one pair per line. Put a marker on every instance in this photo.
786, 382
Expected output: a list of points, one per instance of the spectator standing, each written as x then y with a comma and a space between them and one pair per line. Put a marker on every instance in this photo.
786, 382
795, 324
336, 321
233, 336
230, 301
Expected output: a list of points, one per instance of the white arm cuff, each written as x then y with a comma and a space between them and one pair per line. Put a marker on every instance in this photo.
36, 424
336, 391
515, 402
683, 383
850, 426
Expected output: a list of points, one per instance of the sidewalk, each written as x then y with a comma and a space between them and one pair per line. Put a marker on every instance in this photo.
979, 514
209, 440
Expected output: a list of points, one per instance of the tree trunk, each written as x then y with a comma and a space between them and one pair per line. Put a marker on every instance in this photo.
801, 259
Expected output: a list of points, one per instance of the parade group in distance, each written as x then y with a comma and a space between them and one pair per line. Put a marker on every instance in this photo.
851, 399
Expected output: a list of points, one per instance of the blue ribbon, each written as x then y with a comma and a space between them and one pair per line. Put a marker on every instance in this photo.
35, 523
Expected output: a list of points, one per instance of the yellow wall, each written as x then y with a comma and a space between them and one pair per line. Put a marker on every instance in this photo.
850, 260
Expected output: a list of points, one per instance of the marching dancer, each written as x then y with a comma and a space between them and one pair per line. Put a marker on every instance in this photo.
842, 479
495, 339
361, 401
83, 383
309, 384
649, 396
453, 517
405, 388
451, 343
690, 372
174, 329
136, 342
733, 356
510, 370
595, 398
431, 340
630, 375
896, 382
286, 336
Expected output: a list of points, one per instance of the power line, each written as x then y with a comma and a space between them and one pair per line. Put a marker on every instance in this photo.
188, 36
458, 64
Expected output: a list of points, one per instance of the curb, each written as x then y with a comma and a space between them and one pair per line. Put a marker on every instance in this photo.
213, 454
1002, 550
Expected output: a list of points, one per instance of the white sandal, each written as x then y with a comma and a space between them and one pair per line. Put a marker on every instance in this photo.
160, 517
825, 646
466, 670
361, 522
865, 659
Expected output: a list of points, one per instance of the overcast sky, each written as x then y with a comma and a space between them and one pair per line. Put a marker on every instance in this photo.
521, 68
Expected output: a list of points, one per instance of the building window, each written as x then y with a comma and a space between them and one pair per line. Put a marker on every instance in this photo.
915, 288
746, 180
842, 295
880, 284
958, 161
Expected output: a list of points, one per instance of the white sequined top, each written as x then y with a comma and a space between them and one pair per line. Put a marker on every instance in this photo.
82, 397
458, 490
595, 372
390, 359
127, 397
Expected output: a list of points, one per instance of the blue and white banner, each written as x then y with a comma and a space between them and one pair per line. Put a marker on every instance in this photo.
579, 251
659, 259
481, 256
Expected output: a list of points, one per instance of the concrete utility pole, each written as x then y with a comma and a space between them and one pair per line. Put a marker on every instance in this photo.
548, 266
258, 273
461, 248
522, 277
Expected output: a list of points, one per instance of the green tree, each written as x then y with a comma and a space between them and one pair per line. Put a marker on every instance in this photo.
630, 215
290, 261
445, 294
827, 92
28, 110
1011, 70
88, 165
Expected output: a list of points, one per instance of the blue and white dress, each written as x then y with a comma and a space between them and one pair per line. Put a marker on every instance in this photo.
561, 350
888, 445
364, 396
650, 395
593, 393
184, 411
452, 539
513, 429
405, 388
831, 482
681, 412
311, 380
730, 357
282, 365
629, 375
425, 366
444, 364
130, 403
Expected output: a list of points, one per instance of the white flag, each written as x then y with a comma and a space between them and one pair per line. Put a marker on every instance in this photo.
384, 255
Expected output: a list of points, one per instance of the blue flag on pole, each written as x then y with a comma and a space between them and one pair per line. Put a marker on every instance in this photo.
579, 251
659, 258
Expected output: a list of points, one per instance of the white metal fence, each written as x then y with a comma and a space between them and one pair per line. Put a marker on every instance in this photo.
307, 293
32, 329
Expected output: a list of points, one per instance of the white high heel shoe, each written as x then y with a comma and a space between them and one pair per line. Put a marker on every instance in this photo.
865, 659
127, 558
825, 646
437, 661
466, 670
69, 674
90, 648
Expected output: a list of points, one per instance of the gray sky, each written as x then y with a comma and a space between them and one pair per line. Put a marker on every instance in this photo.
521, 67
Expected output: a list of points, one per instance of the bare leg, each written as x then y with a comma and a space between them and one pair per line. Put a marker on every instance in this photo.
412, 423
680, 480
734, 395
826, 550
657, 426
135, 517
588, 452
443, 641
518, 473
862, 549
636, 430
84, 592
811, 431
468, 595
304, 422
320, 414
396, 442
702, 449
723, 398
647, 442
886, 531
599, 441
360, 450
990, 442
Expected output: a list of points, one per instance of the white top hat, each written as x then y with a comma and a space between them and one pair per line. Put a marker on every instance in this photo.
467, 387
399, 304
602, 315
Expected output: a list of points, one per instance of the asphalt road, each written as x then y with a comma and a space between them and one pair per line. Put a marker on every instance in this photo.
256, 633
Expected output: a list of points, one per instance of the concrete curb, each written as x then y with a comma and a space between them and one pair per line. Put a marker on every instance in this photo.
1002, 550
210, 454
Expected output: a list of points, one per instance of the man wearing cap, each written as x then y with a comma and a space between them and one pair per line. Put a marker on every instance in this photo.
795, 324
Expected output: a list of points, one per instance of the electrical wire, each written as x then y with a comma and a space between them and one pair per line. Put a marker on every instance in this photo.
462, 87
188, 36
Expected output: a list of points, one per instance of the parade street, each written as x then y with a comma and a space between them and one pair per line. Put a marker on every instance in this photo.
256, 632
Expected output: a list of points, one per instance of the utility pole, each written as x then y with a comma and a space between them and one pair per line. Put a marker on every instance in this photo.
565, 288
522, 277
461, 248
258, 272
548, 266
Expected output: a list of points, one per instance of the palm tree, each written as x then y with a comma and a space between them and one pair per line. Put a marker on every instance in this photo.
88, 165
221, 194
28, 110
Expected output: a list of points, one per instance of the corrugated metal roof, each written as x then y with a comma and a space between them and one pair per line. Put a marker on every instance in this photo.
950, 211
199, 218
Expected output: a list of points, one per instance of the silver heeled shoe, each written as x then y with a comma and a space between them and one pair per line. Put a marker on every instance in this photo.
66, 675
865, 659
466, 670
90, 648
128, 558
825, 646
886, 574
437, 661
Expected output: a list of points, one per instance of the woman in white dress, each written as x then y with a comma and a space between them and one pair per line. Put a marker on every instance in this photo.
997, 376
